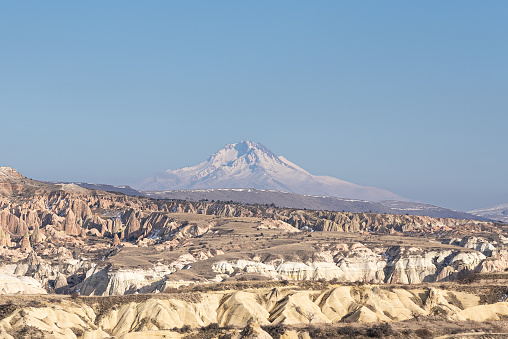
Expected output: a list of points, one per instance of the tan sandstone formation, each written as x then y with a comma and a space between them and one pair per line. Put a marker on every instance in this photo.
364, 304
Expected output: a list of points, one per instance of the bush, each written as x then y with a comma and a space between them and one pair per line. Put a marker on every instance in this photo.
183, 329
78, 332
424, 333
380, 331
6, 310
348, 331
274, 330
211, 327
247, 331
319, 332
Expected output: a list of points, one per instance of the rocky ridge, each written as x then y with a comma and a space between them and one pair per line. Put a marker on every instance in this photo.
310, 202
137, 267
499, 212
69, 238
233, 310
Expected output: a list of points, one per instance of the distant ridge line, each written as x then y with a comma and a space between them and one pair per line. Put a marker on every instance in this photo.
253, 196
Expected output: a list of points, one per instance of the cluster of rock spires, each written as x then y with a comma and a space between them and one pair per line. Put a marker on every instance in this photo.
358, 263
65, 239
41, 222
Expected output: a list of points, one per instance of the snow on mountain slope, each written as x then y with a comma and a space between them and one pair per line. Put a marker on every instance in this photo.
251, 165
499, 212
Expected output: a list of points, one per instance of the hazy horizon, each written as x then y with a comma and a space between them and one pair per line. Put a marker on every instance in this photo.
408, 97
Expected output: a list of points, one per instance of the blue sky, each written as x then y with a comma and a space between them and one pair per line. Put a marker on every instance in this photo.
406, 96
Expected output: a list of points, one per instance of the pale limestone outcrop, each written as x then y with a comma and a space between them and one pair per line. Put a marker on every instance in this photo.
359, 263
413, 267
337, 304
19, 284
368, 305
461, 264
497, 262
495, 311
57, 321
241, 308
247, 266
285, 270
277, 224
182, 261
416, 266
311, 271
104, 281
297, 308
13, 283
47, 273
475, 243
437, 303
256, 307
160, 314
223, 267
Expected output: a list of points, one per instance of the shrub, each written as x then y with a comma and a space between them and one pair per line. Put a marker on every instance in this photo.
380, 331
275, 330
6, 310
247, 331
211, 327
424, 333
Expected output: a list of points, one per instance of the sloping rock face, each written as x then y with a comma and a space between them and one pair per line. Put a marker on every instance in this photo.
499, 212
252, 196
72, 211
105, 282
478, 244
58, 233
364, 304
357, 263
11, 283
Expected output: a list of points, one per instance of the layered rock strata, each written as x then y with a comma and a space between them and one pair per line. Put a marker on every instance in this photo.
364, 304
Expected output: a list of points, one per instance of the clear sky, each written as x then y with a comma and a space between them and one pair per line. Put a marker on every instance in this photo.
404, 95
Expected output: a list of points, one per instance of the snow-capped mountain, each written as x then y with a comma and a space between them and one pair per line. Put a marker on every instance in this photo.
251, 165
499, 212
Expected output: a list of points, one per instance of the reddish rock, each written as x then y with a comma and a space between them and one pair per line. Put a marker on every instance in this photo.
37, 236
70, 226
12, 223
25, 244
133, 229
116, 240
5, 239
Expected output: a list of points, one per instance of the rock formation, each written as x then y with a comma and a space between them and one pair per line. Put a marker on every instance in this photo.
160, 315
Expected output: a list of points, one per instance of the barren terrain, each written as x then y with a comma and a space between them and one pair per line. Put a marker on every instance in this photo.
81, 263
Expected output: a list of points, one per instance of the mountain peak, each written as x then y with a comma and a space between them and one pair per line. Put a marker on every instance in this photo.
248, 164
243, 147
